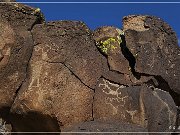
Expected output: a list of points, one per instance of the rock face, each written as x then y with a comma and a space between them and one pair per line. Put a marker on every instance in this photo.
54, 85
16, 45
155, 46
4, 127
61, 76
140, 105
112, 127
80, 55
108, 40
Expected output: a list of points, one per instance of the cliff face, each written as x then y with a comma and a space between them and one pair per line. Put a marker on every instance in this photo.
61, 76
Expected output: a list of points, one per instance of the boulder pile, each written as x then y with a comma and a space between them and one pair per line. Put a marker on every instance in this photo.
60, 76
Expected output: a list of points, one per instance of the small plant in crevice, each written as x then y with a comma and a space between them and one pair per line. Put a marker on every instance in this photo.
39, 17
109, 43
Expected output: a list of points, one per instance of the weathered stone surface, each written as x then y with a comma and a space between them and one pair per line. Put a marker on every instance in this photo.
154, 45
152, 109
34, 122
108, 40
62, 77
16, 46
4, 127
52, 89
110, 127
178, 121
160, 109
72, 45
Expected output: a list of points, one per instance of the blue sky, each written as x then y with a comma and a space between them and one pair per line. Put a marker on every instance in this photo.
96, 15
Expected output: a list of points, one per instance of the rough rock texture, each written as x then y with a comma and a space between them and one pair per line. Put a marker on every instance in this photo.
155, 46
106, 126
52, 86
178, 121
80, 55
136, 104
4, 127
61, 76
16, 46
109, 40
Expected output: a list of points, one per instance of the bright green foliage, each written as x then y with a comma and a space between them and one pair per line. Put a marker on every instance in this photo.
37, 10
40, 17
108, 44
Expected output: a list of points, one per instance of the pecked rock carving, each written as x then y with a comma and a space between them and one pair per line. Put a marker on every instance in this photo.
16, 46
155, 47
132, 105
60, 76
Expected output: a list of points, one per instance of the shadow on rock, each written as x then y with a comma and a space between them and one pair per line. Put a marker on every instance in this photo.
30, 122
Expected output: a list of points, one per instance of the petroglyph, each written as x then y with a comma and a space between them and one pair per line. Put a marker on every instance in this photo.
7, 38
36, 75
109, 102
116, 99
132, 113
172, 116
117, 93
7, 35
14, 77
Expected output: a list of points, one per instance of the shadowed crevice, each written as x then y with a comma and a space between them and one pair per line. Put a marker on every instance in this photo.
33, 122
30, 122
129, 56
165, 86
162, 84
93, 105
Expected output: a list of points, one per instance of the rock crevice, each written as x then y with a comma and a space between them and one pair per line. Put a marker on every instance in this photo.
61, 76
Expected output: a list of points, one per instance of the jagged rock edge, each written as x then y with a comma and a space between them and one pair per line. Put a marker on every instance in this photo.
139, 75
16, 93
132, 63
132, 68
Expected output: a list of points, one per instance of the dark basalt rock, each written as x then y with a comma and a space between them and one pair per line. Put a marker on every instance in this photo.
56, 76
155, 46
151, 108
108, 126
108, 40
79, 55
16, 45
51, 89
4, 127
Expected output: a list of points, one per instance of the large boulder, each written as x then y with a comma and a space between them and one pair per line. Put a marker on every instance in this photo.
16, 45
71, 43
60, 76
63, 69
155, 46
149, 107
108, 40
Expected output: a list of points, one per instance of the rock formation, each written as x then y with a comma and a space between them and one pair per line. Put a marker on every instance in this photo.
61, 76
